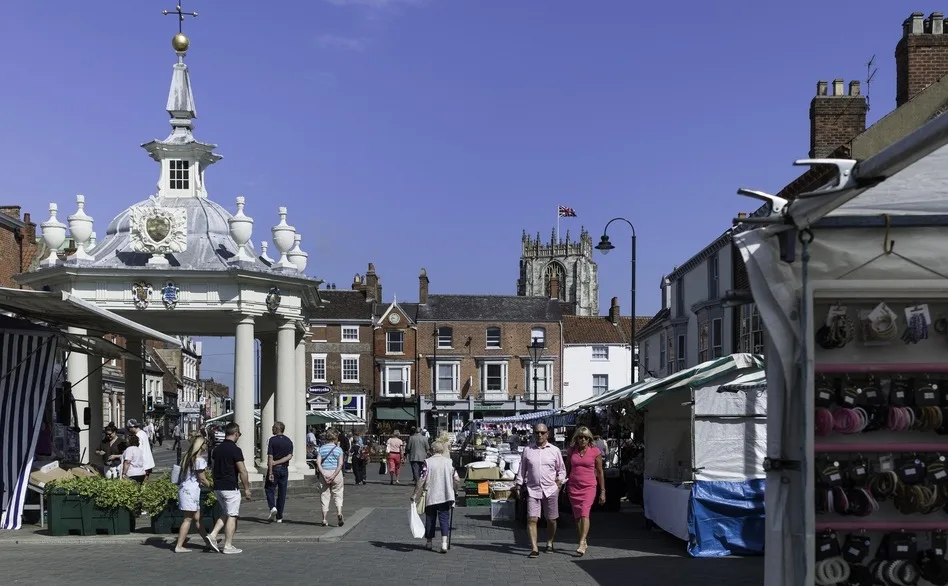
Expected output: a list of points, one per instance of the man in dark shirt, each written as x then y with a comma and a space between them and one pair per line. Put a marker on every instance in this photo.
227, 467
279, 454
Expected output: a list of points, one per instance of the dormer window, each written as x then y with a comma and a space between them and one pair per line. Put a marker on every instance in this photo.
180, 176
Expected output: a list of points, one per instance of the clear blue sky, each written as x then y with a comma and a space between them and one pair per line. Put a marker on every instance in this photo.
429, 133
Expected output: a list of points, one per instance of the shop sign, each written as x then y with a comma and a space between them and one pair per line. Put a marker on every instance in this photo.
320, 389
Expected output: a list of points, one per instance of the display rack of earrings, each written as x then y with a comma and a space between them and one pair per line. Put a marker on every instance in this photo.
880, 442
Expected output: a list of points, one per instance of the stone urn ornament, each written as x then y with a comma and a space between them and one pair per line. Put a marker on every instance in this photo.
241, 229
80, 226
54, 234
283, 237
296, 254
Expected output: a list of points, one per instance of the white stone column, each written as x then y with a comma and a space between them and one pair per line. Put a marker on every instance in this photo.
77, 371
95, 402
299, 434
286, 380
134, 408
244, 386
268, 374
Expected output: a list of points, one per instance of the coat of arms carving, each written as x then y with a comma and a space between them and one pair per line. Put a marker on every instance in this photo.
158, 230
170, 294
141, 292
273, 300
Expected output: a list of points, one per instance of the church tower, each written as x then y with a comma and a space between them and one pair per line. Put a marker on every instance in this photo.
564, 269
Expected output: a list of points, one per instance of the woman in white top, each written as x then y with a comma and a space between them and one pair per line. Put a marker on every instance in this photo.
191, 478
440, 479
133, 461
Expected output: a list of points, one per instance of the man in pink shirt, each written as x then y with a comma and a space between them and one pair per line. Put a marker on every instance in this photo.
542, 473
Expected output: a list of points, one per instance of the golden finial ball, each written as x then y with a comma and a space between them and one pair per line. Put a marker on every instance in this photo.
180, 43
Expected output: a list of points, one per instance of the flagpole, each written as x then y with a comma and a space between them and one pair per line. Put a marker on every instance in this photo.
557, 223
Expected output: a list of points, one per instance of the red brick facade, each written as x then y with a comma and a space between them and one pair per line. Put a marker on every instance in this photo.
17, 245
921, 57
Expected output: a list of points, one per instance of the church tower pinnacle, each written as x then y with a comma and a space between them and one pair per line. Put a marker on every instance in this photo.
183, 158
560, 269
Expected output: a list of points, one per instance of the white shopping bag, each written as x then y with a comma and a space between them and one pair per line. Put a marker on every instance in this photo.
176, 474
417, 525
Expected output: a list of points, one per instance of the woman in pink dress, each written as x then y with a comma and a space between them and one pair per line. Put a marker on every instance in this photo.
584, 473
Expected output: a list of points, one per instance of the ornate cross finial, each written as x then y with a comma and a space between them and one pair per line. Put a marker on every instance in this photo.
180, 42
177, 10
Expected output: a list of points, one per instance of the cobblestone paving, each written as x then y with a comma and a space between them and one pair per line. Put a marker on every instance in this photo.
375, 546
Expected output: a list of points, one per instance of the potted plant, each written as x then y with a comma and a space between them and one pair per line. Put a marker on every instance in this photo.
115, 504
69, 506
159, 499
92, 505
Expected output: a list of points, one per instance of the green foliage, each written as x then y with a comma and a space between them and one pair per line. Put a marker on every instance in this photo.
117, 494
210, 499
104, 493
157, 494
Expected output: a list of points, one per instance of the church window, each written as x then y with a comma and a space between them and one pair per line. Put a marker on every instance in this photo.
180, 174
555, 268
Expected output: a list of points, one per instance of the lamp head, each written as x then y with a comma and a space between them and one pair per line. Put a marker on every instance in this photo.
604, 245
536, 349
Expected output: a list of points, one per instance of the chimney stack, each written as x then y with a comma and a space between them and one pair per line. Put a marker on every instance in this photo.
423, 287
921, 56
373, 288
554, 286
835, 119
614, 311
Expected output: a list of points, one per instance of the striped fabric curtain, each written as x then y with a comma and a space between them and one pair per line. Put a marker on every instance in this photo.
26, 377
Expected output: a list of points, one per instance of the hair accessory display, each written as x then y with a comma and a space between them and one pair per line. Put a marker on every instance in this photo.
879, 467
850, 420
830, 571
824, 421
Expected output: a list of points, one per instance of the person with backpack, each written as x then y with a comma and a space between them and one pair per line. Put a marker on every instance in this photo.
360, 457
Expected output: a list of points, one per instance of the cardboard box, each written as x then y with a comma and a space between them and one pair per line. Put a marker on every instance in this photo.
492, 473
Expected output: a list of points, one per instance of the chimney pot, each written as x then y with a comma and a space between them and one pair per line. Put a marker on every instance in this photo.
741, 215
854, 88
917, 25
937, 23
423, 287
614, 312
838, 86
821, 87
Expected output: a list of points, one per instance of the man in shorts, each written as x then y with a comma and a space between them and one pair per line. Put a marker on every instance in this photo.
228, 466
542, 473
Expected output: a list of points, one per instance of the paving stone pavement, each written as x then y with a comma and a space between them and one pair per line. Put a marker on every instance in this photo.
372, 547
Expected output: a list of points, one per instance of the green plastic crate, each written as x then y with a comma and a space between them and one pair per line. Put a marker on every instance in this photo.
69, 514
483, 501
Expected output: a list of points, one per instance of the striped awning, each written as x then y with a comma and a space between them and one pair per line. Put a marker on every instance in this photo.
522, 418
691, 377
333, 417
752, 381
312, 417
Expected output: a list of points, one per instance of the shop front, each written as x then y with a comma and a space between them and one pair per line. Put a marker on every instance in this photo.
453, 414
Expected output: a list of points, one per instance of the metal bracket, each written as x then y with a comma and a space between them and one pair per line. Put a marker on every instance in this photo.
844, 168
777, 464
777, 204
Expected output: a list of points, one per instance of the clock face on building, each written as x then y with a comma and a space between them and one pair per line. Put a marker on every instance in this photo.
394, 318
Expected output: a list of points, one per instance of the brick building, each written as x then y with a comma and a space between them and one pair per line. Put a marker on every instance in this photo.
17, 244
473, 349
674, 338
340, 347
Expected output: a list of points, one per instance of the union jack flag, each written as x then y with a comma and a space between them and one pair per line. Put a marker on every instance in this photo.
566, 212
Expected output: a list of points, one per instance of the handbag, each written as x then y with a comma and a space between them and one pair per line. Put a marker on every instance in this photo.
382, 467
176, 474
420, 503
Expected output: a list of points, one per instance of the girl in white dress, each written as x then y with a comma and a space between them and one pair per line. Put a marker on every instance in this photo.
191, 478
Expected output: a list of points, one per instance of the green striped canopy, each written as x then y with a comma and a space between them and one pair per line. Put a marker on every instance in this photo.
695, 376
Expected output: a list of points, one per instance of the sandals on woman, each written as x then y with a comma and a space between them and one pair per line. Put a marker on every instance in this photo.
581, 550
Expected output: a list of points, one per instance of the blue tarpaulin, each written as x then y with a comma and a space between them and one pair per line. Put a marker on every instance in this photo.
726, 518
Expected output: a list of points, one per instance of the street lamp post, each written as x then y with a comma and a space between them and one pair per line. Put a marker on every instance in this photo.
536, 350
604, 247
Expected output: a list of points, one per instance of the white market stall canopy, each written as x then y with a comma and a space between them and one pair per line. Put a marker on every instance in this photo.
551, 417
695, 376
66, 310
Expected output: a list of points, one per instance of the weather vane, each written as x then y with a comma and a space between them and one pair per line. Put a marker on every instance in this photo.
180, 42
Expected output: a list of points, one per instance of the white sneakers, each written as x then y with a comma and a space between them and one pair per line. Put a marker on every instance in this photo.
273, 515
231, 550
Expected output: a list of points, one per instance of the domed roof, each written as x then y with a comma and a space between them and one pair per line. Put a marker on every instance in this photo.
209, 247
